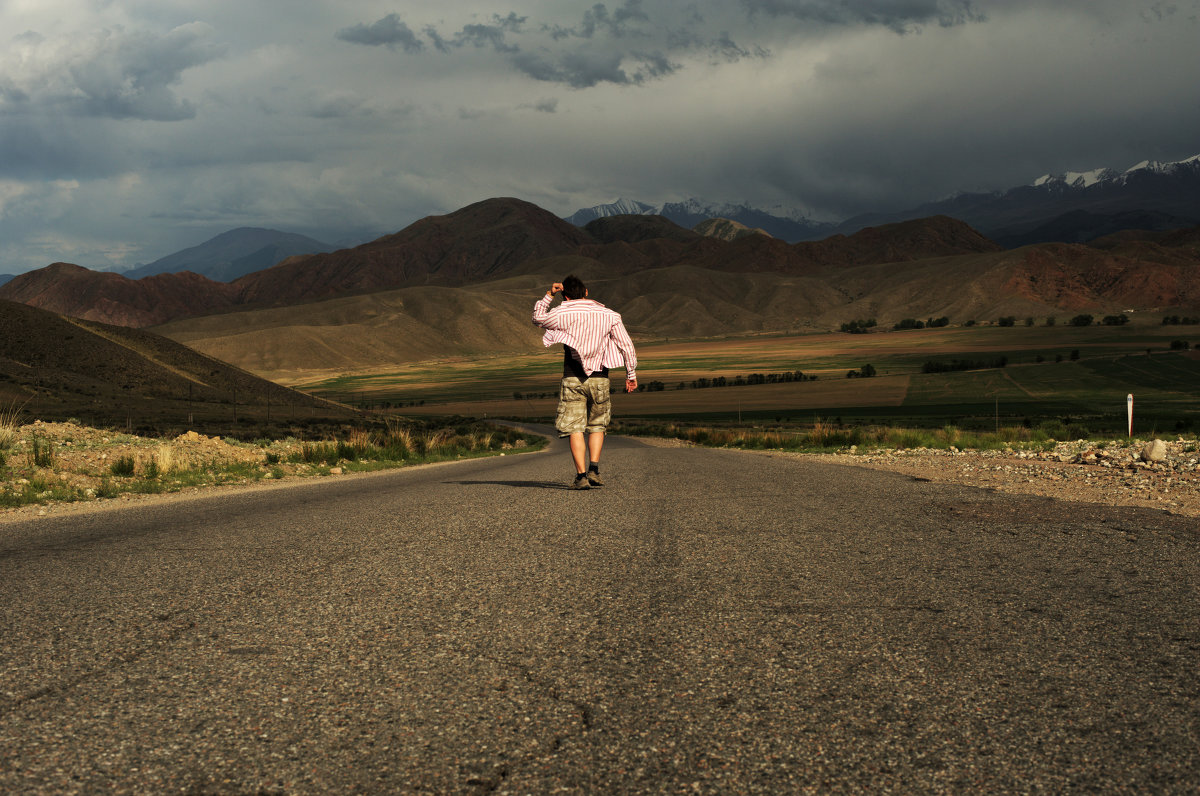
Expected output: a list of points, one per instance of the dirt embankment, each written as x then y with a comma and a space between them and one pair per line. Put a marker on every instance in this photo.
1108, 473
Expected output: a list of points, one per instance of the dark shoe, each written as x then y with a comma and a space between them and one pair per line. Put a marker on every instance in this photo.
581, 482
594, 479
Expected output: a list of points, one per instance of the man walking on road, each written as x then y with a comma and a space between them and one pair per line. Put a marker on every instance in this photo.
594, 339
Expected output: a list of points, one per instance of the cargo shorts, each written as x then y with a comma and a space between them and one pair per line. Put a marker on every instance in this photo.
583, 405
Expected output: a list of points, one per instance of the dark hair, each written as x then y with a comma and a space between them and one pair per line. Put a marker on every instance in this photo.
573, 288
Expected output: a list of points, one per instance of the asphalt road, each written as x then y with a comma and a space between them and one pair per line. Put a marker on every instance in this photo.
710, 621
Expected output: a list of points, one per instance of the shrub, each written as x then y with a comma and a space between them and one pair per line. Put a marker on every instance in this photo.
41, 453
1007, 320
123, 466
1082, 320
859, 327
1180, 345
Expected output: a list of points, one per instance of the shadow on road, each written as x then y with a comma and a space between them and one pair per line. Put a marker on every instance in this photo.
527, 484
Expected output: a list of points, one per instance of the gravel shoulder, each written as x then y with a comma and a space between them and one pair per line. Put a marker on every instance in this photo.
1111, 474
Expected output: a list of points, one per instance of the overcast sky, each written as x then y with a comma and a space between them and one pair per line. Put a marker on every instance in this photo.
130, 129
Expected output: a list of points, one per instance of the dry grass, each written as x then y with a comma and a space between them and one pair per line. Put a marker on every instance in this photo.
164, 457
10, 421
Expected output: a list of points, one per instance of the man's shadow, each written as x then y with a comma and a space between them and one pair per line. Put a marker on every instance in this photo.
524, 484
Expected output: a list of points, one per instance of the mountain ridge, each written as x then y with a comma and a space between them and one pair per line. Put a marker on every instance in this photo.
232, 254
462, 285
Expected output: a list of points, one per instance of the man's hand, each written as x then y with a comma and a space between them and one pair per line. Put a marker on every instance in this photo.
556, 288
631, 384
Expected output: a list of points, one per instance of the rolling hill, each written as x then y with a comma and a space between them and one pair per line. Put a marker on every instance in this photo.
112, 298
374, 331
114, 374
463, 284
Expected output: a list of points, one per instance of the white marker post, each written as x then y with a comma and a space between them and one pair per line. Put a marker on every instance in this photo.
1129, 409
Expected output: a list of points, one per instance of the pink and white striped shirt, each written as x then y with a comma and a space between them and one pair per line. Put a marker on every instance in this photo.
595, 332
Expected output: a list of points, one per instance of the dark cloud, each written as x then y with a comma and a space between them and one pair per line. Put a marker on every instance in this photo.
489, 35
902, 16
588, 68
592, 63
390, 32
114, 74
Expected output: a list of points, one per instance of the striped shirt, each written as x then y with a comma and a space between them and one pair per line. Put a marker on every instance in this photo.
595, 332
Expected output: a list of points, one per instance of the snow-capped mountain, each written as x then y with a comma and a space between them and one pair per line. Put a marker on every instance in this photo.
621, 207
785, 223
1071, 206
1086, 179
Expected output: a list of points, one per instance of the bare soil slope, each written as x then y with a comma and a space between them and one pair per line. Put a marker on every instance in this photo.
65, 366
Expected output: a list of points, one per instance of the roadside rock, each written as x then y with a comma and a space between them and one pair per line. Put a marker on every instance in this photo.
1154, 451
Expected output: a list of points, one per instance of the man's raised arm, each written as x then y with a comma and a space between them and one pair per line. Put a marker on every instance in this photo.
541, 310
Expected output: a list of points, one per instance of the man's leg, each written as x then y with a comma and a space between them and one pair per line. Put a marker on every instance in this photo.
595, 443
579, 451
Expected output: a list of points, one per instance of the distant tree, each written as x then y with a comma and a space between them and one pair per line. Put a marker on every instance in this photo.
867, 371
1040, 358
1051, 320
1082, 320
859, 327
1029, 321
1058, 357
937, 323
1115, 320
517, 395
909, 323
1007, 320
1180, 345
1074, 354
969, 323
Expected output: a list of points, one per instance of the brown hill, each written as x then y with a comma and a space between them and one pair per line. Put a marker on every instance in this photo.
906, 241
112, 298
725, 229
686, 300
487, 240
359, 332
113, 374
634, 229
472, 277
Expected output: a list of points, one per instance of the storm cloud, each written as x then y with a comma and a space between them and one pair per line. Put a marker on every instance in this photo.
129, 130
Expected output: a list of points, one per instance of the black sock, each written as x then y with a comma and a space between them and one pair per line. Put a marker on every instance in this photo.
594, 467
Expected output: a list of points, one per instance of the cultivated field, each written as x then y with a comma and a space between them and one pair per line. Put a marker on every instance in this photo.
1050, 372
